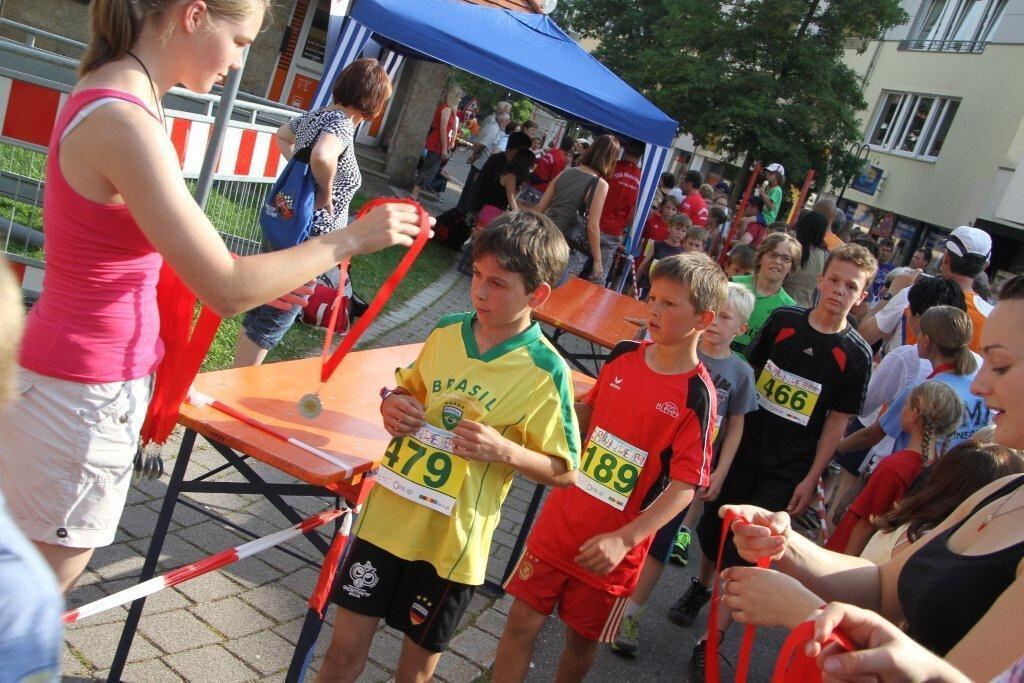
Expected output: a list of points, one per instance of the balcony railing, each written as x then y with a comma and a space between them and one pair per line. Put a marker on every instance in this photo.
970, 46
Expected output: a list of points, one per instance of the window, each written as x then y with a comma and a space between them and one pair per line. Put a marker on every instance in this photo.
955, 25
912, 125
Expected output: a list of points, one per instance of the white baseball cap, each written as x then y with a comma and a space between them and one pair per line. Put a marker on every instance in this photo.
967, 240
776, 168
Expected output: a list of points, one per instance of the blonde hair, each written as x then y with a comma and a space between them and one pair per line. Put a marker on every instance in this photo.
706, 192
951, 331
741, 300
707, 282
940, 410
12, 316
115, 25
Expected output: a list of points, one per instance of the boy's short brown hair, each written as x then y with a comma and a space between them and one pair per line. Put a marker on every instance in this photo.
681, 219
11, 321
697, 233
707, 282
525, 242
671, 199
858, 256
365, 85
744, 255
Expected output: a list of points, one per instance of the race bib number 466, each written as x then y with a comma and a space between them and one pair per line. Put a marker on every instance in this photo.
423, 469
787, 395
610, 468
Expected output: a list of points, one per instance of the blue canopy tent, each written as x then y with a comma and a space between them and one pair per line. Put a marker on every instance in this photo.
527, 53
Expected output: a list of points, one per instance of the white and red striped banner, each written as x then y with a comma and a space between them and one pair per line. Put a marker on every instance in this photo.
207, 565
29, 110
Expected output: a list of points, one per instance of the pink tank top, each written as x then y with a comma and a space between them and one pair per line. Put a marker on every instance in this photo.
97, 319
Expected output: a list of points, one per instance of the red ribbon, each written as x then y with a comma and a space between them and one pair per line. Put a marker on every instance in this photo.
329, 365
792, 665
185, 347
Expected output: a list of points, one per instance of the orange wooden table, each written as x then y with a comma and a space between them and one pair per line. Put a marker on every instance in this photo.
592, 313
349, 429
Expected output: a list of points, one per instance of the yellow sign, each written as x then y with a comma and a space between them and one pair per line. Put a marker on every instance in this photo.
610, 468
423, 469
787, 395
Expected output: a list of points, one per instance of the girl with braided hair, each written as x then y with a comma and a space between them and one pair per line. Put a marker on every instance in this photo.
932, 411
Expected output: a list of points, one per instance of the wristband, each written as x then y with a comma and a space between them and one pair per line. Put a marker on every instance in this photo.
385, 392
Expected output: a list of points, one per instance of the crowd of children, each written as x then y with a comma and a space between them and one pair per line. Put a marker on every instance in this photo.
735, 400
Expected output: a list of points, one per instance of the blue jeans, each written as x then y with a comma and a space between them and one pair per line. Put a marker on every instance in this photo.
265, 325
30, 609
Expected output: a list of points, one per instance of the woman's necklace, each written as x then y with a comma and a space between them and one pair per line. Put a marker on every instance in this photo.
152, 85
997, 512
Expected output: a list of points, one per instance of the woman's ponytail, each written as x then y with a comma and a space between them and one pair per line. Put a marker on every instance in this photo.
951, 331
113, 29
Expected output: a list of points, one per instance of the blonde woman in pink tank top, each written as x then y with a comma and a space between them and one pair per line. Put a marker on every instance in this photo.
115, 207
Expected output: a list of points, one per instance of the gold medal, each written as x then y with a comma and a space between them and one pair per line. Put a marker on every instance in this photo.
310, 406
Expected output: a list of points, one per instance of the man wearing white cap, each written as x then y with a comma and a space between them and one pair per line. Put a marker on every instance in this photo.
967, 252
772, 192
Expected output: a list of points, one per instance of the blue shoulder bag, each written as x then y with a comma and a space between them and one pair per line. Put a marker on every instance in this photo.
287, 213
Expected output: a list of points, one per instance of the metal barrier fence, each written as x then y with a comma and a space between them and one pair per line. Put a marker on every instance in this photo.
238, 187
233, 205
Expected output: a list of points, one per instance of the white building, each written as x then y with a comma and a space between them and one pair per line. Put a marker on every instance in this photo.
945, 126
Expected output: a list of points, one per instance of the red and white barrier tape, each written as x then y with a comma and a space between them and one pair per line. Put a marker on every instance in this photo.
201, 400
204, 566
821, 511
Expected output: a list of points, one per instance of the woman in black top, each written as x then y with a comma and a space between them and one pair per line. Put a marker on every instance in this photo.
501, 178
960, 589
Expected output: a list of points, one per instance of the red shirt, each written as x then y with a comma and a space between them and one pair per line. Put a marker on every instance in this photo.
667, 417
656, 228
623, 190
548, 167
886, 486
434, 136
696, 208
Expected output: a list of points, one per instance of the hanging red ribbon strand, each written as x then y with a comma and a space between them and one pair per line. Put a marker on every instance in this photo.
185, 347
330, 364
792, 665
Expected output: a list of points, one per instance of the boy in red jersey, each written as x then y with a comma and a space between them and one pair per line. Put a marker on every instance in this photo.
648, 423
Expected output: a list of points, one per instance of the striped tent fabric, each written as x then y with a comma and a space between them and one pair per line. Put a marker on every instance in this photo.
347, 50
655, 160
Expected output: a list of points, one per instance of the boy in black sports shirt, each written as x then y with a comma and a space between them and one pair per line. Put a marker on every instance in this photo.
812, 372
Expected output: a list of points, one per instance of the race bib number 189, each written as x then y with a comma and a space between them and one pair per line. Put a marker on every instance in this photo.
423, 469
787, 395
610, 468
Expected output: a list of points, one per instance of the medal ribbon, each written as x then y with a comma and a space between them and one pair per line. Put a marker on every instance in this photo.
793, 664
328, 364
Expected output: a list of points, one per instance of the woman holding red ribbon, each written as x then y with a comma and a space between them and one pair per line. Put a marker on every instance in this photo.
116, 206
960, 589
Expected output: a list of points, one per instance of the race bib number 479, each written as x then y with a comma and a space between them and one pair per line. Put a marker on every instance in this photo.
787, 395
610, 468
423, 469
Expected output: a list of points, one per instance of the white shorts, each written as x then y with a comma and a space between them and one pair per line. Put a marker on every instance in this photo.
66, 454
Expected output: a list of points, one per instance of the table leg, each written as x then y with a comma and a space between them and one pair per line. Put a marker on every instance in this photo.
264, 488
311, 627
163, 522
493, 590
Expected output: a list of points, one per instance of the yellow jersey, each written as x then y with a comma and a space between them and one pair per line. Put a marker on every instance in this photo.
431, 505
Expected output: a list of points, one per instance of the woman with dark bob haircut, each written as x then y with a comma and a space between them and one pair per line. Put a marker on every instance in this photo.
360, 92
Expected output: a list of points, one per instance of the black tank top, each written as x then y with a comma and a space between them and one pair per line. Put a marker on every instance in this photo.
944, 595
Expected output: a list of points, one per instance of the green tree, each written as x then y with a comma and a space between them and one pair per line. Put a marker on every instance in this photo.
764, 79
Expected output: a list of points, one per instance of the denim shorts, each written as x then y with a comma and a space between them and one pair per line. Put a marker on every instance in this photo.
265, 325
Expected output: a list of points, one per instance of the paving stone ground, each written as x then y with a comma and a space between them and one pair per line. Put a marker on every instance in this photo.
241, 623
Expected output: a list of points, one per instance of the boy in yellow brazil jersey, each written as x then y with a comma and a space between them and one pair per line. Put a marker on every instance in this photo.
487, 396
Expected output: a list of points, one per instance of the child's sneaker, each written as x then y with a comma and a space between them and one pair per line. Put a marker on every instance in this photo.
627, 642
685, 610
681, 548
